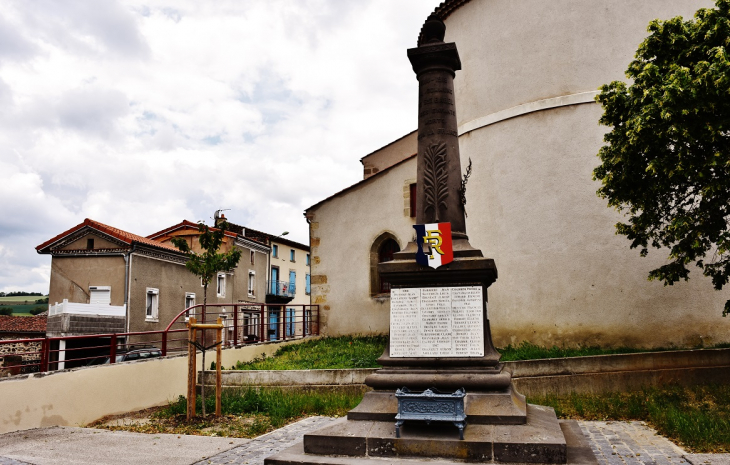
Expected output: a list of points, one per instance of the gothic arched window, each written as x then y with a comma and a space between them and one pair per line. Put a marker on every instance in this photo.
382, 250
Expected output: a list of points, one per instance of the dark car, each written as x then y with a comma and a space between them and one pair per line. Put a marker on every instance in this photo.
126, 355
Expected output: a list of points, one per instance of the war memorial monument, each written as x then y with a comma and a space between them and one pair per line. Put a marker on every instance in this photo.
442, 395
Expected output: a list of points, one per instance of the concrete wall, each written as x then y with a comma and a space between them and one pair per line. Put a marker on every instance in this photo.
559, 376
342, 232
72, 276
80, 396
67, 324
528, 122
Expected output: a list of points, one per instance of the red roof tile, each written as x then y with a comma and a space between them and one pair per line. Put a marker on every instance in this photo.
123, 236
23, 324
183, 224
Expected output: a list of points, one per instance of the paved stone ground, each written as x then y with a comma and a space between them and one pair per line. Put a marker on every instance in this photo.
254, 452
7, 461
613, 442
634, 443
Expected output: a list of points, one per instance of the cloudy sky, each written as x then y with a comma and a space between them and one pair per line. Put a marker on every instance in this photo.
142, 113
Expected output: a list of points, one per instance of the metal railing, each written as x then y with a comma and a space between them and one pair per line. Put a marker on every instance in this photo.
281, 288
244, 324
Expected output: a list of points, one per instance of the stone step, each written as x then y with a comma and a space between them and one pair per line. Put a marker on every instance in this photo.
540, 440
578, 452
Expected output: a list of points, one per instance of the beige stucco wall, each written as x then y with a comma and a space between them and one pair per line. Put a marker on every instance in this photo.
342, 231
518, 52
173, 281
564, 274
299, 266
72, 276
565, 278
240, 277
80, 396
99, 243
389, 155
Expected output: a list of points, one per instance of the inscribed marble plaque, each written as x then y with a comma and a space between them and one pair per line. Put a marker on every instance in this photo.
437, 322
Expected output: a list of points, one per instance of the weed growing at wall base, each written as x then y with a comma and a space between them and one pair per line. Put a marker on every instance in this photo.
697, 418
246, 412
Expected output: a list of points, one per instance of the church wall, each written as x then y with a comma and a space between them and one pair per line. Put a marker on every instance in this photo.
342, 231
564, 276
522, 51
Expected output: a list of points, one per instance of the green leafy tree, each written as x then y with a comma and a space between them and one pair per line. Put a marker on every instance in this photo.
6, 311
208, 264
667, 159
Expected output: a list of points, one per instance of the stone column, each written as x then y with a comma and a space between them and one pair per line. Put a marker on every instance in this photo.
439, 165
439, 199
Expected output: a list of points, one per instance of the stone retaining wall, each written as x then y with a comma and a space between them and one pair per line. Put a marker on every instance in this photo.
585, 375
19, 347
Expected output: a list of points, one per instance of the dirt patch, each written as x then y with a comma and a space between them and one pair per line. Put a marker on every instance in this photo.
140, 417
149, 421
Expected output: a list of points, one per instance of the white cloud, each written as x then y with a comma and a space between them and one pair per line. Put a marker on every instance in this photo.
141, 114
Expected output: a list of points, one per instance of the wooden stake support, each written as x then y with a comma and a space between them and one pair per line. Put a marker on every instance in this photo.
193, 345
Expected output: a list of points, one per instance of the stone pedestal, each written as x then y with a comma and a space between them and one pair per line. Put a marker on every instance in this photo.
440, 331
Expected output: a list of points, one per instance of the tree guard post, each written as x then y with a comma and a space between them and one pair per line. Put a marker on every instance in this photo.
192, 371
218, 356
193, 345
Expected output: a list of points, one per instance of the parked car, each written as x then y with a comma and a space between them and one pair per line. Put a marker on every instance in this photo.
129, 354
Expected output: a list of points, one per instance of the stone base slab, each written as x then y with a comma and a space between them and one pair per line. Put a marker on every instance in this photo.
496, 408
577, 452
540, 440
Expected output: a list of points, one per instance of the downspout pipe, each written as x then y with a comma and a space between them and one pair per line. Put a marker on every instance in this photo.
127, 284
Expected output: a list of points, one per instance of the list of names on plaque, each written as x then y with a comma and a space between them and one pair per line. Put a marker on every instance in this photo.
437, 322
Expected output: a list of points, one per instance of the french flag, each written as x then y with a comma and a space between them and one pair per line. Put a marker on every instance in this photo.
434, 244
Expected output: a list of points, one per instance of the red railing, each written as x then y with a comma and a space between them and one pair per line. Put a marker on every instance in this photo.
243, 324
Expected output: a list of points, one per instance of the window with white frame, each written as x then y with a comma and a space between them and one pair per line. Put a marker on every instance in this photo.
153, 304
189, 302
220, 285
251, 282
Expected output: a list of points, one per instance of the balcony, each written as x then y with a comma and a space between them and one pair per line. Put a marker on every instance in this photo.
70, 318
86, 309
279, 292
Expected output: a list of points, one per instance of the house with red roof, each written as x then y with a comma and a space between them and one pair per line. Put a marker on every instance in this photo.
20, 328
106, 280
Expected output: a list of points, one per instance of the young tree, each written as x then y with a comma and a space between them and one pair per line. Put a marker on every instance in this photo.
207, 265
667, 159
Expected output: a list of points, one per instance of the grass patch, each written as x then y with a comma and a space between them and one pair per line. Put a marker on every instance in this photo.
363, 351
22, 299
22, 309
246, 413
697, 418
528, 351
325, 353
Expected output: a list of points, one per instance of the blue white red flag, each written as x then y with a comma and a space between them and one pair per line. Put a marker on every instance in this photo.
434, 244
